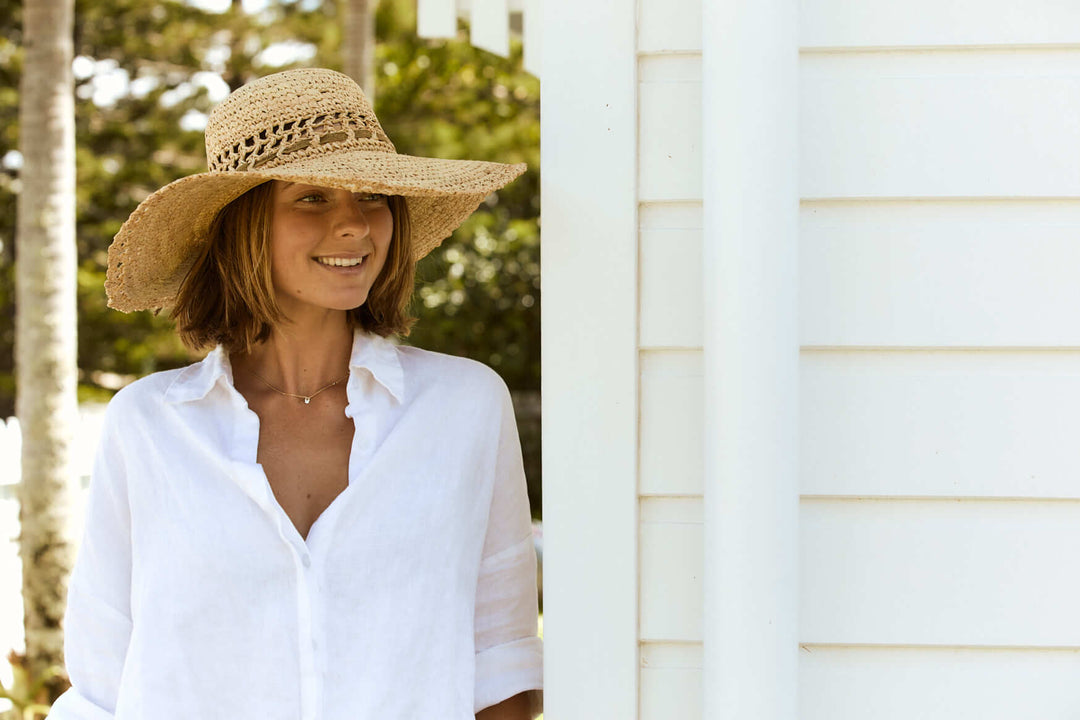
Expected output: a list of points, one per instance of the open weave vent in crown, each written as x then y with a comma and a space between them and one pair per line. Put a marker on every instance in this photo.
290, 116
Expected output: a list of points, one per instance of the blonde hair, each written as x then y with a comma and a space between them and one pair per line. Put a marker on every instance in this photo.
227, 297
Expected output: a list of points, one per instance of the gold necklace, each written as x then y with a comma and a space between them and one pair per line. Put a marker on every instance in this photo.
305, 398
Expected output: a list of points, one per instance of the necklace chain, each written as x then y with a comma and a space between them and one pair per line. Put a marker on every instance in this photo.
305, 398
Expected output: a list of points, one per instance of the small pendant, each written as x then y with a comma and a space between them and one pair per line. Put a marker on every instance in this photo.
307, 400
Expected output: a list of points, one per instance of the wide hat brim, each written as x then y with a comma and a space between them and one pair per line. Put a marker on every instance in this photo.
154, 249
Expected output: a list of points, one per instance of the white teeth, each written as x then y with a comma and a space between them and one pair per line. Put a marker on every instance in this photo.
339, 262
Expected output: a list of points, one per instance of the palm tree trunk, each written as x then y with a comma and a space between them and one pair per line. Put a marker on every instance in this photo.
359, 55
45, 355
233, 76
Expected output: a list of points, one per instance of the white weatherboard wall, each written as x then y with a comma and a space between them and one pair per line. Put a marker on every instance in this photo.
939, 372
940, 324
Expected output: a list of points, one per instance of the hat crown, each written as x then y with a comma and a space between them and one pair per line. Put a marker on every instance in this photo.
290, 116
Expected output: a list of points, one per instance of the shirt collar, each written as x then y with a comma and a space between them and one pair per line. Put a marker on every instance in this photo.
196, 380
370, 352
378, 356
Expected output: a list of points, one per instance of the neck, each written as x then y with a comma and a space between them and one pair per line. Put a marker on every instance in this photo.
300, 359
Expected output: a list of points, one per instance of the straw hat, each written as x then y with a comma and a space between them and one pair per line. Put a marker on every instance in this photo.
309, 126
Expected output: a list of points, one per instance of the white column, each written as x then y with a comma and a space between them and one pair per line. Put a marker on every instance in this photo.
588, 141
751, 204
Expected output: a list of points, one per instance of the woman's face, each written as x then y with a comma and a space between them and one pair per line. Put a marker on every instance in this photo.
327, 246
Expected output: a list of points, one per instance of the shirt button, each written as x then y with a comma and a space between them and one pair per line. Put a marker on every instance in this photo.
307, 561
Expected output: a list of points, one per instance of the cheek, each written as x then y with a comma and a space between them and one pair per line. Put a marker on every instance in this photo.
381, 234
296, 229
279, 240
286, 252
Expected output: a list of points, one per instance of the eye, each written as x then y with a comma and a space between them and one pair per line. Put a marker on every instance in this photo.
311, 198
370, 197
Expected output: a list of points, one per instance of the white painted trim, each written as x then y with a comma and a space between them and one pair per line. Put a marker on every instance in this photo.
436, 18
531, 17
589, 350
751, 365
489, 23
489, 26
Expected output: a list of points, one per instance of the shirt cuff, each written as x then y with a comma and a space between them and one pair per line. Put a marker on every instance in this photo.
74, 706
505, 670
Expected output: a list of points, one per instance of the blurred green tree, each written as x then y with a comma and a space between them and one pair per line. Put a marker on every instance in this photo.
478, 294
147, 72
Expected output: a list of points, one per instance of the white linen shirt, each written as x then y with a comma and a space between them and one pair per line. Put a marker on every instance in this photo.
413, 596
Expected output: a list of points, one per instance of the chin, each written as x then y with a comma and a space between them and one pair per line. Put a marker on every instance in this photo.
334, 302
345, 301
351, 305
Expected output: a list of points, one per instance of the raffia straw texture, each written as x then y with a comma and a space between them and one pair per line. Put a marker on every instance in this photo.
310, 126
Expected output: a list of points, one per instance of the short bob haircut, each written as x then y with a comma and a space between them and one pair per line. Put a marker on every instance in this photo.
227, 297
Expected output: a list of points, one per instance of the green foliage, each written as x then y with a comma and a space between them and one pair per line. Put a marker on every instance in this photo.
478, 294
31, 694
171, 52
479, 297
10, 69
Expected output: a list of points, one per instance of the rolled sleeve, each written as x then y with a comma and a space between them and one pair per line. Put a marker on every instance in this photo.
509, 655
73, 706
97, 622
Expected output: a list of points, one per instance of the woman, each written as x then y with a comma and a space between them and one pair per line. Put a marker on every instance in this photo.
312, 522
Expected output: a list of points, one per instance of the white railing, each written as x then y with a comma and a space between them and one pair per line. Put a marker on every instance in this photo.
10, 464
84, 445
489, 24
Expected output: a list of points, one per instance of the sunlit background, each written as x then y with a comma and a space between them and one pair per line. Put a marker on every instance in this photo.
147, 73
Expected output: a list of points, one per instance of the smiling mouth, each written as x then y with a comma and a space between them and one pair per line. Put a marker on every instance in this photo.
339, 262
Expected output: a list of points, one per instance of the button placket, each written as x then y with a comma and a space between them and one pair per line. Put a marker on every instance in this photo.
249, 475
306, 624
314, 579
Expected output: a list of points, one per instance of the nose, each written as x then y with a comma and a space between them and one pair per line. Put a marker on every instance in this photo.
351, 221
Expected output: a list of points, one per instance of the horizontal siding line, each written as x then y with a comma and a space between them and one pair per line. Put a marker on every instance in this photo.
669, 225
664, 53
840, 200
942, 498
646, 203
662, 215
951, 49
647, 229
669, 68
672, 496
673, 522
673, 654
810, 647
672, 646
997, 349
670, 348
670, 200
